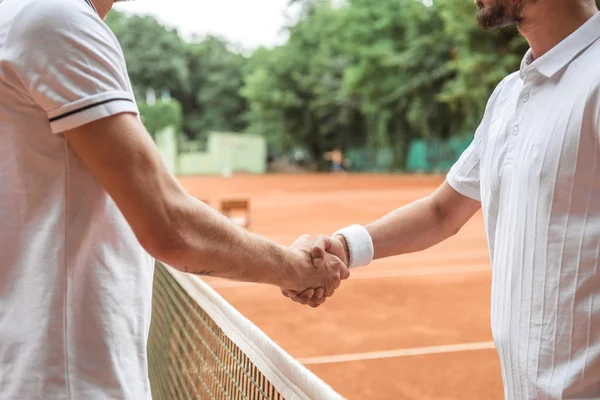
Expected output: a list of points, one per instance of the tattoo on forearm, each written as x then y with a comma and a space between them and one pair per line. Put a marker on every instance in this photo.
202, 273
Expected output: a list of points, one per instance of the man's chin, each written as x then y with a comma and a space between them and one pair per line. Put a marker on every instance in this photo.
492, 19
495, 16
484, 21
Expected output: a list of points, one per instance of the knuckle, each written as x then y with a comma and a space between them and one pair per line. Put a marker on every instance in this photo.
336, 282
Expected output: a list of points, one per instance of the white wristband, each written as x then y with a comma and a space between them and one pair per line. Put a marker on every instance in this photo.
360, 245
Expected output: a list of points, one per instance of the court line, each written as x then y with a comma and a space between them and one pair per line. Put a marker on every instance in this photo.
378, 274
416, 351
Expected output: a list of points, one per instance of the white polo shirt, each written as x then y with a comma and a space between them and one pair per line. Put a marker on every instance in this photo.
75, 285
535, 166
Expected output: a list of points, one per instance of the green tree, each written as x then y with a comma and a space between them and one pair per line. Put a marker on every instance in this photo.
401, 53
214, 96
155, 55
359, 73
204, 76
481, 59
295, 91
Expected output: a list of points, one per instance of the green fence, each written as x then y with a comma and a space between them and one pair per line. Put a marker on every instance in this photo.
424, 156
436, 156
363, 160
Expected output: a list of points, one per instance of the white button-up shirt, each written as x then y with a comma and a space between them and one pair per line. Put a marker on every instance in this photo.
535, 166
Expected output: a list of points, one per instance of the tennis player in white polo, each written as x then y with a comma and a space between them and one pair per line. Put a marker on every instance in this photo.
534, 169
81, 186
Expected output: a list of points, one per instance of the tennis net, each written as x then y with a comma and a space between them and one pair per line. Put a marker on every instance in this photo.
200, 347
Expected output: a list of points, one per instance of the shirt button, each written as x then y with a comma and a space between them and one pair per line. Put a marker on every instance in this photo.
516, 130
525, 97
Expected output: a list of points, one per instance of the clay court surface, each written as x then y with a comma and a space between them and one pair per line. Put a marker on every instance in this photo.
409, 327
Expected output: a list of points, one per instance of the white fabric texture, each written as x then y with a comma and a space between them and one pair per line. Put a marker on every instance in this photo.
291, 379
535, 166
75, 285
360, 245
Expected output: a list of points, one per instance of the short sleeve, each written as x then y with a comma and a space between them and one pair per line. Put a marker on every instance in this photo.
70, 63
464, 174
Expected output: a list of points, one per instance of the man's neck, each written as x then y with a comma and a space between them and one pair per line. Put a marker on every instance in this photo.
103, 6
547, 23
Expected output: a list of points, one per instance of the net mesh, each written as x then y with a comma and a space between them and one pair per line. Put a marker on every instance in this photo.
191, 357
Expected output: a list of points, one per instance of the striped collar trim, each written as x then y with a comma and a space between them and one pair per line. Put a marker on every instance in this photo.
91, 5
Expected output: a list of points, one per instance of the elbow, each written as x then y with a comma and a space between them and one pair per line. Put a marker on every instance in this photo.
451, 231
167, 245
445, 223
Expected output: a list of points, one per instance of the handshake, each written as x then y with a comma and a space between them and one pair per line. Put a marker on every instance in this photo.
319, 269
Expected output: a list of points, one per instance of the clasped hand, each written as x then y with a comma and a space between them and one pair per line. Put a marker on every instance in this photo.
328, 266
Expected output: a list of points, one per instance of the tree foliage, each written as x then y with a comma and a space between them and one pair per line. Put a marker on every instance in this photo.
205, 76
481, 59
160, 115
155, 55
295, 90
353, 74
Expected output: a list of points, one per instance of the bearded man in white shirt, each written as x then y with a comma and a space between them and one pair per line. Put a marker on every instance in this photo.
534, 170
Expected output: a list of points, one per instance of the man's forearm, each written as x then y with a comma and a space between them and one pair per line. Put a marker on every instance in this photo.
421, 224
414, 227
175, 227
207, 243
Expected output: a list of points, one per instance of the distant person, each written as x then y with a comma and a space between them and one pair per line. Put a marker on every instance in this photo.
534, 169
299, 158
336, 157
86, 203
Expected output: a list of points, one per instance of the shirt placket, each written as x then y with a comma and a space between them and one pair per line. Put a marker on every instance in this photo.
516, 126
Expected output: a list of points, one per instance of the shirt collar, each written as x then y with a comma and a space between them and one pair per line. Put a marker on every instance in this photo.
91, 5
564, 52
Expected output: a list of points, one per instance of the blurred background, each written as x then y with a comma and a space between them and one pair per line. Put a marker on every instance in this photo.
395, 85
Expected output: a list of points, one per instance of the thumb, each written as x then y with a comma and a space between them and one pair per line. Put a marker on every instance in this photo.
319, 250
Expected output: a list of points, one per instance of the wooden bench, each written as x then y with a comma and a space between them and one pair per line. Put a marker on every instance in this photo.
230, 206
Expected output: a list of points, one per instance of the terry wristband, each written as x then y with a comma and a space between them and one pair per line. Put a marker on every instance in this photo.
360, 245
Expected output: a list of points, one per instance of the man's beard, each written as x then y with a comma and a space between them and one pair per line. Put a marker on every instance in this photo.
498, 15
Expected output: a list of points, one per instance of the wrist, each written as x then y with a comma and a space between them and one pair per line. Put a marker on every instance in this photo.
359, 245
288, 272
342, 240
